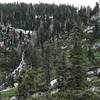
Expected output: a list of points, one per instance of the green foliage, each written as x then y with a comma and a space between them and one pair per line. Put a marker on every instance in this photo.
8, 59
33, 57
63, 50
76, 95
9, 93
26, 82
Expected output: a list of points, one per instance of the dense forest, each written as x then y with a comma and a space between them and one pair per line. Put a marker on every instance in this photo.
52, 52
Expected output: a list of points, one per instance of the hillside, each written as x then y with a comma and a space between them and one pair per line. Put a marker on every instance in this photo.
52, 52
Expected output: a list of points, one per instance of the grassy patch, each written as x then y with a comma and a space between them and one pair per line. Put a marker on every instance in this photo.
9, 93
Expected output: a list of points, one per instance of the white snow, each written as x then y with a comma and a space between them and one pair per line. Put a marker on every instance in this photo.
2, 87
94, 89
1, 43
89, 29
20, 67
19, 30
7, 89
28, 31
98, 70
88, 79
63, 47
94, 18
51, 17
96, 45
37, 16
13, 98
53, 82
15, 84
90, 72
38, 94
54, 91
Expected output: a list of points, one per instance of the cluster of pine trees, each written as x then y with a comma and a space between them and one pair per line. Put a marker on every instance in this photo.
66, 49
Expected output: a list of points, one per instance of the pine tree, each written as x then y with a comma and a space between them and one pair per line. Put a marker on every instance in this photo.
41, 37
26, 83
77, 69
61, 70
47, 65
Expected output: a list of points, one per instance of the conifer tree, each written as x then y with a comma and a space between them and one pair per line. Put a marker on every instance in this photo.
77, 78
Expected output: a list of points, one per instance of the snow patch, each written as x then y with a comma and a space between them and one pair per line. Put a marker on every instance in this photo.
98, 70
94, 89
89, 79
19, 30
7, 89
53, 82
15, 84
89, 29
90, 72
20, 67
54, 91
13, 98
1, 43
